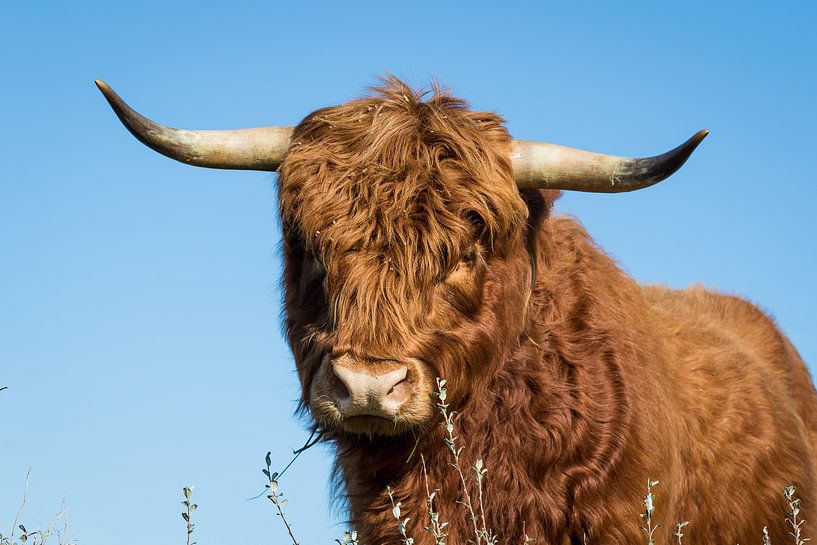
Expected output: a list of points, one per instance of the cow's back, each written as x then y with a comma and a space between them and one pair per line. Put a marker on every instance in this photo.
748, 411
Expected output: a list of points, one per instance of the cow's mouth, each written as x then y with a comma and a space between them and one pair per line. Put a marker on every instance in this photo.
373, 425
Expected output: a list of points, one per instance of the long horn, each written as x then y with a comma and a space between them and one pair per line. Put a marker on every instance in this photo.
262, 148
549, 166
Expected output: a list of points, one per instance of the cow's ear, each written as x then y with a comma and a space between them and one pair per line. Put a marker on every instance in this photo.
539, 203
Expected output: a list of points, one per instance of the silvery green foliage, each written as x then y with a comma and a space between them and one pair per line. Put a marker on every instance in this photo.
402, 523
766, 539
679, 527
480, 471
451, 443
348, 538
41, 536
436, 528
58, 526
187, 514
791, 519
649, 508
276, 497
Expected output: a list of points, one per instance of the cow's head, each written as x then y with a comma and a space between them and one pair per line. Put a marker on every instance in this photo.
406, 240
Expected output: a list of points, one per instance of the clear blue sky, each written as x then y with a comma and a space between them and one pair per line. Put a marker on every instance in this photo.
139, 303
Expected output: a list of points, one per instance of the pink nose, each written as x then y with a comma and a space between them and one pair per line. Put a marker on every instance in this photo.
365, 392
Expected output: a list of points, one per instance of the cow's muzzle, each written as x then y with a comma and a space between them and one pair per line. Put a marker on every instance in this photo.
372, 390
371, 396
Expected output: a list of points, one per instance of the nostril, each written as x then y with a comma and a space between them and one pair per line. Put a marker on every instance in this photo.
400, 391
339, 387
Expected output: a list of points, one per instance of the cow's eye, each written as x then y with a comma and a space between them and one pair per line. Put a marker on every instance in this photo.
468, 260
315, 264
464, 266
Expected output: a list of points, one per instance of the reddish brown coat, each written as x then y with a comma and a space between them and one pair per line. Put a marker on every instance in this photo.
575, 392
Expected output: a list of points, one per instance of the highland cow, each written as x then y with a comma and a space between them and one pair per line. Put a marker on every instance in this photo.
420, 242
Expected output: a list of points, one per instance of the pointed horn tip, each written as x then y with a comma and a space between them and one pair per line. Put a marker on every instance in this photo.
692, 144
102, 86
119, 106
109, 94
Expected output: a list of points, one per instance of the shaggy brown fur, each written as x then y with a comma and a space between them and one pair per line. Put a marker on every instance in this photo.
405, 237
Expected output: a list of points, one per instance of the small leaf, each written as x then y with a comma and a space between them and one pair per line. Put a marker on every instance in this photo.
268, 459
185, 517
648, 502
193, 508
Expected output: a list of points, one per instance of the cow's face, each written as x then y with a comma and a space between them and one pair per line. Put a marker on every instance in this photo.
405, 257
